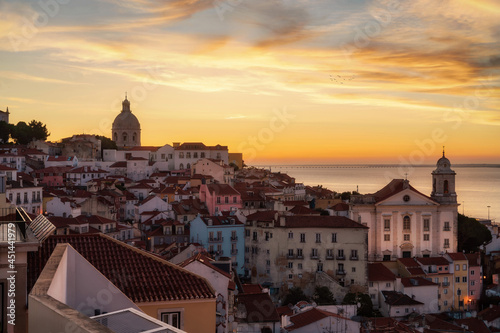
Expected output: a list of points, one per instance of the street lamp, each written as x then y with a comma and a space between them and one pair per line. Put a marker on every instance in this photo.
488, 212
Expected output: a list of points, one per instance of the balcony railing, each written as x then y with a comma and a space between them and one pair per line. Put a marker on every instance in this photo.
342, 257
314, 256
234, 238
290, 256
340, 272
216, 240
329, 257
300, 256
445, 284
446, 228
234, 251
354, 258
446, 246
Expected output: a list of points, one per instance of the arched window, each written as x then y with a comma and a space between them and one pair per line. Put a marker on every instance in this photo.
445, 187
133, 137
181, 166
406, 223
124, 137
115, 136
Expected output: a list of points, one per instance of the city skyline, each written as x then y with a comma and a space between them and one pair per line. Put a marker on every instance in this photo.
281, 81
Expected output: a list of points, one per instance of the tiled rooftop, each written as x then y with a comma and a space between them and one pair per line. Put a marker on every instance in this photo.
379, 272
141, 276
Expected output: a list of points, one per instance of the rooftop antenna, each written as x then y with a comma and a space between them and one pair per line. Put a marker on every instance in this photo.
443, 151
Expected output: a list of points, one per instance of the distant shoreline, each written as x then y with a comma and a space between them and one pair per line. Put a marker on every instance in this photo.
338, 166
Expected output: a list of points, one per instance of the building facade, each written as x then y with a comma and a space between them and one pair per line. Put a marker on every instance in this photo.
406, 223
126, 129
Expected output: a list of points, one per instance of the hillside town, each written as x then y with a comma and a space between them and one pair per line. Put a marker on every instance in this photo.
187, 238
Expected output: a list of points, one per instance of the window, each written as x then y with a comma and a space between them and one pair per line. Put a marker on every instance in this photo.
314, 253
387, 237
370, 284
302, 238
290, 252
353, 269
426, 237
406, 237
445, 291
247, 249
472, 292
218, 200
254, 235
472, 272
427, 223
445, 303
268, 262
472, 282
446, 226
447, 243
226, 200
464, 278
290, 265
457, 267
247, 232
181, 155
464, 267
235, 200
319, 267
290, 276
233, 235
354, 254
318, 238
202, 155
299, 253
171, 318
290, 235
329, 253
188, 155
340, 253
457, 279
406, 223
334, 237
195, 155
387, 225
299, 266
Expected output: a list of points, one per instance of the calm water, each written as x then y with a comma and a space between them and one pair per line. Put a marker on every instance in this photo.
477, 186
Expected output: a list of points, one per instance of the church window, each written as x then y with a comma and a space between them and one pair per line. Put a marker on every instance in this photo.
124, 137
445, 187
446, 226
426, 237
188, 166
181, 166
406, 237
387, 224
427, 223
133, 137
181, 155
387, 237
202, 155
406, 223
188, 155
195, 155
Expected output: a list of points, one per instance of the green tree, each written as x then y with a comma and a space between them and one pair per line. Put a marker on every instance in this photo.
106, 143
38, 130
471, 234
5, 131
364, 302
323, 296
295, 295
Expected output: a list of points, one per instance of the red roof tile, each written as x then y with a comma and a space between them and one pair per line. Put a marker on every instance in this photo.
457, 256
395, 298
263, 216
379, 272
321, 222
301, 210
205, 261
222, 189
416, 282
258, 308
141, 276
490, 314
429, 261
309, 317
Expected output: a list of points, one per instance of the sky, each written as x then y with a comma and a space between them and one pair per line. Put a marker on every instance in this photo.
280, 81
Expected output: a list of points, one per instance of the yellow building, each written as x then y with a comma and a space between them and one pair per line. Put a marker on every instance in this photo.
460, 270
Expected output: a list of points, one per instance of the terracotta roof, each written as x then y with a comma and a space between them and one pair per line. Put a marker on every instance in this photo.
141, 276
53, 169
251, 288
321, 222
6, 168
385, 325
340, 207
409, 262
395, 298
490, 314
86, 169
60, 158
222, 189
144, 148
94, 219
296, 203
473, 324
119, 164
416, 282
379, 272
221, 220
198, 146
309, 317
258, 308
284, 310
301, 210
438, 261
415, 270
457, 256
474, 259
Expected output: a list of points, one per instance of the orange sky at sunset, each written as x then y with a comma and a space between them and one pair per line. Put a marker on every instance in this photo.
281, 81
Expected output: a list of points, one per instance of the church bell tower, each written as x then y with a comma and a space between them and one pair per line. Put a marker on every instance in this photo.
443, 182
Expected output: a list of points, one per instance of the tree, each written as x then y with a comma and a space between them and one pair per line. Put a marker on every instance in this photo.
234, 166
295, 295
323, 296
5, 131
471, 234
23, 133
106, 143
38, 130
364, 302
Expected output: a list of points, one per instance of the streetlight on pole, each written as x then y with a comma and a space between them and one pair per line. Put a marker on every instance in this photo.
488, 212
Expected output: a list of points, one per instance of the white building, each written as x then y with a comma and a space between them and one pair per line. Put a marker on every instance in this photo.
188, 153
222, 173
64, 207
405, 223
26, 195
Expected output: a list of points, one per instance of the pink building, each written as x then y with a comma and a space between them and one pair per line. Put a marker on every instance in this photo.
475, 279
220, 198
52, 176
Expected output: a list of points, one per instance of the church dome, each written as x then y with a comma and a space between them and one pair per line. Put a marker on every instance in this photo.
443, 165
126, 120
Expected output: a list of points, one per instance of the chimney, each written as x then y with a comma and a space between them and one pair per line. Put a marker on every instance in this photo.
35, 182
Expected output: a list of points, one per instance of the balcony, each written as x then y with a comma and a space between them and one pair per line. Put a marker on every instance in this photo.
341, 257
234, 251
446, 228
290, 256
216, 240
446, 246
329, 257
234, 238
314, 256
445, 284
340, 272
354, 258
300, 256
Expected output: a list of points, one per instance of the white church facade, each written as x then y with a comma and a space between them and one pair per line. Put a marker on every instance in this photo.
404, 222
